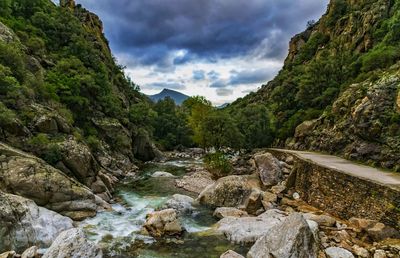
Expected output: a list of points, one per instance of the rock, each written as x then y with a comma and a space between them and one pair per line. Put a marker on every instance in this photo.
6, 34
224, 212
28, 176
31, 252
277, 189
381, 232
24, 224
144, 149
73, 243
232, 191
362, 224
180, 203
305, 129
380, 254
46, 124
314, 228
196, 181
296, 196
249, 229
162, 174
360, 251
322, 220
269, 200
231, 254
9, 254
268, 168
291, 238
164, 222
337, 252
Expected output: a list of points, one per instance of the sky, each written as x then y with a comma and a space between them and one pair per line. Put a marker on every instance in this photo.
220, 49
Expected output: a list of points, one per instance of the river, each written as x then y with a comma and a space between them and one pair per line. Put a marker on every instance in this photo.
119, 232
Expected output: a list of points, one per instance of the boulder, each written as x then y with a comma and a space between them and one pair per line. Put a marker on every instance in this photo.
6, 34
164, 222
380, 254
46, 124
360, 252
337, 252
162, 174
180, 203
269, 200
144, 149
381, 232
23, 224
196, 181
224, 212
9, 254
269, 169
73, 243
233, 191
28, 176
249, 229
305, 129
231, 254
31, 252
322, 220
292, 238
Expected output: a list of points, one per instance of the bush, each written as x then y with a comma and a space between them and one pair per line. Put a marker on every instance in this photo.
39, 141
52, 154
380, 57
93, 142
6, 115
218, 164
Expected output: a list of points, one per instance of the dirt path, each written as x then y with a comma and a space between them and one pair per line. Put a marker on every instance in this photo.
351, 168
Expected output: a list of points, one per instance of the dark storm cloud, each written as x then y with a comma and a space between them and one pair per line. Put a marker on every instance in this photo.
152, 30
224, 92
251, 76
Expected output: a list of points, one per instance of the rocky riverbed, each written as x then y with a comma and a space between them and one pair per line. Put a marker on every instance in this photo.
176, 208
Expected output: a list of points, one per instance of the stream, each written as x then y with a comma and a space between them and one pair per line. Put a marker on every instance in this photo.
118, 232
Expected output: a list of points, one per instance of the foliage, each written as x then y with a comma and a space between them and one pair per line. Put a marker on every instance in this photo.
52, 154
218, 164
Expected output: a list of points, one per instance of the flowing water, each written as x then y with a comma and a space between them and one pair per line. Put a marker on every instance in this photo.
118, 232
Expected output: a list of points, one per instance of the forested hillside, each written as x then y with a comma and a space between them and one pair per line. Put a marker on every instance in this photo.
340, 83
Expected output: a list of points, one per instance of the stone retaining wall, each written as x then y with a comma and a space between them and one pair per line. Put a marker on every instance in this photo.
341, 194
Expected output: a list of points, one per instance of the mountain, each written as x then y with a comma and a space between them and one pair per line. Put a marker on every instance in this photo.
339, 89
178, 97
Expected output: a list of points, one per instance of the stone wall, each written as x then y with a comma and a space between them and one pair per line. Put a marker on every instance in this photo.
341, 194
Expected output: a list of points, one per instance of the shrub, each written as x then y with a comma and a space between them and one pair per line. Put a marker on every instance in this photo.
52, 154
93, 142
39, 141
6, 115
218, 164
380, 57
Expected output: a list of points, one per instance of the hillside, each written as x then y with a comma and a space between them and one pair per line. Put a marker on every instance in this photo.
339, 89
67, 112
178, 97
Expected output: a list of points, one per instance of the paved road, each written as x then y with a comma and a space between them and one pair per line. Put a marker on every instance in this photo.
369, 173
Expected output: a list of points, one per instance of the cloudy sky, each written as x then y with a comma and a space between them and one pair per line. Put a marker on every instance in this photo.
221, 49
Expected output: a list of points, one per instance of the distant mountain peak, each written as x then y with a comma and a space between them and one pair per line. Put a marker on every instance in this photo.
177, 96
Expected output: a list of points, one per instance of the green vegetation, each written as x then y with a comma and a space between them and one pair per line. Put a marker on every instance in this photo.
218, 164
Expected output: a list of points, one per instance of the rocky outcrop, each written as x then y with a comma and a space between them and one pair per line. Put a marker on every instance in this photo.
337, 252
195, 181
249, 229
233, 191
6, 35
224, 212
292, 238
164, 222
28, 176
73, 244
24, 224
268, 168
144, 149
181, 203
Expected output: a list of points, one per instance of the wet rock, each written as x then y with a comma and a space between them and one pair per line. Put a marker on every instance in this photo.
181, 203
23, 224
162, 174
291, 238
31, 252
231, 254
322, 220
269, 169
224, 212
232, 191
337, 252
249, 229
164, 222
28, 176
73, 243
196, 181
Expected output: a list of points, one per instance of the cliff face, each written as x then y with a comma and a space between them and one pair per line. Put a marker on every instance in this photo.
338, 89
